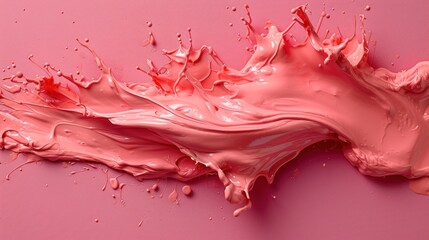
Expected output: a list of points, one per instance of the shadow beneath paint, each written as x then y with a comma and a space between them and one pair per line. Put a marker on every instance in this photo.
388, 181
263, 194
310, 161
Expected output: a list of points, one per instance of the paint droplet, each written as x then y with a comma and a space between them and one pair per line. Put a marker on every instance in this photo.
19, 74
86, 40
187, 190
234, 9
154, 187
96, 220
324, 164
173, 196
230, 24
367, 8
149, 24
210, 218
75, 48
150, 40
114, 183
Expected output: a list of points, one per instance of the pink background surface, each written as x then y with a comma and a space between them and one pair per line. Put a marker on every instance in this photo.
43, 201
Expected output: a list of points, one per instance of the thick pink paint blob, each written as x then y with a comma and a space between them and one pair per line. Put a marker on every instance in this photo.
199, 116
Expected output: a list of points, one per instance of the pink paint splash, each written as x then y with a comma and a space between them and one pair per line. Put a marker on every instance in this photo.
199, 116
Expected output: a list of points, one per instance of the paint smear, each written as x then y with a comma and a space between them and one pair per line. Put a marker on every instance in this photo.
199, 116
